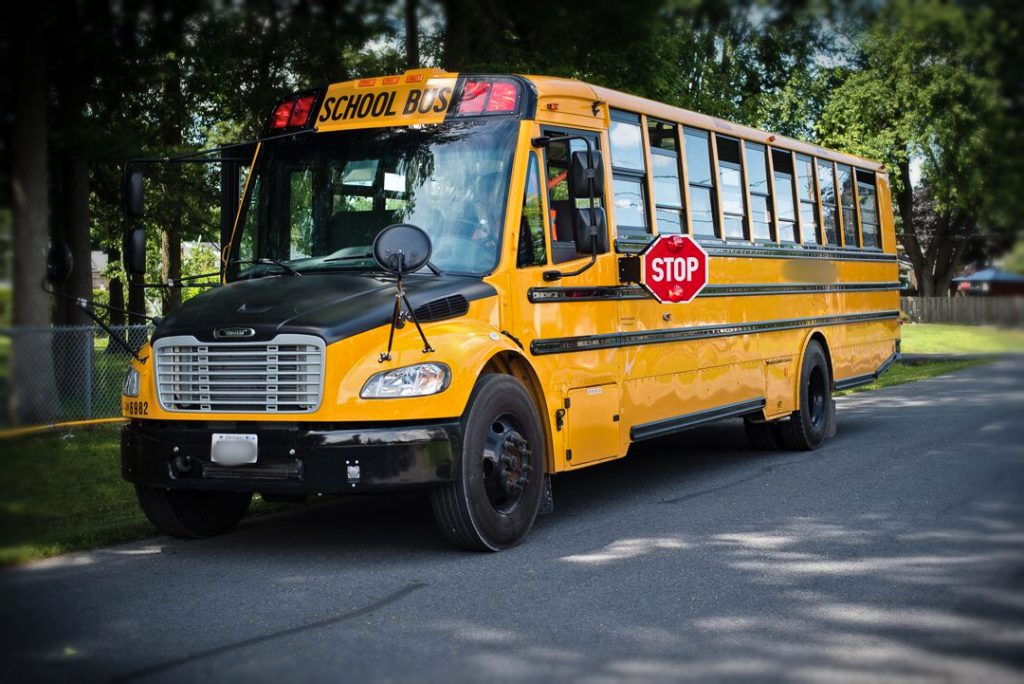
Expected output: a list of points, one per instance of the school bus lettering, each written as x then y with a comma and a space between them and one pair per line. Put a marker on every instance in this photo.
481, 312
383, 104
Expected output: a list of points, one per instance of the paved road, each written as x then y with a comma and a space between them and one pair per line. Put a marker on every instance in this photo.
896, 551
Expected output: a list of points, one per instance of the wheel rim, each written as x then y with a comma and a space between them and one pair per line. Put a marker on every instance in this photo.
506, 463
816, 395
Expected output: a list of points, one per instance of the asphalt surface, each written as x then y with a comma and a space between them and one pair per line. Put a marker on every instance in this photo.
896, 552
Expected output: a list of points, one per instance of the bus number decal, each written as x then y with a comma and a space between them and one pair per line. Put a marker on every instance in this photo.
136, 408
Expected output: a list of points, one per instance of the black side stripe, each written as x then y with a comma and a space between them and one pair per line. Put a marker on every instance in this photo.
561, 345
762, 251
866, 378
541, 295
667, 426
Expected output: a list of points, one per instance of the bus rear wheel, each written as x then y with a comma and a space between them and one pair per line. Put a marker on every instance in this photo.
808, 426
494, 499
192, 514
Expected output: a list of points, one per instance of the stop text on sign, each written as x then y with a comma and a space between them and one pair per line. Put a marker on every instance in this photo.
674, 268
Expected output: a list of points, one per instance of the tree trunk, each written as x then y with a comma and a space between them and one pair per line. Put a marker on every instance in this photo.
170, 266
76, 232
412, 35
456, 33
908, 236
32, 395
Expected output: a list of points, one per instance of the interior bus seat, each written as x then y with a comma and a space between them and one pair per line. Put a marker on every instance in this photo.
563, 244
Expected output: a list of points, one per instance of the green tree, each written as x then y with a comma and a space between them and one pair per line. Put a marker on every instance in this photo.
926, 90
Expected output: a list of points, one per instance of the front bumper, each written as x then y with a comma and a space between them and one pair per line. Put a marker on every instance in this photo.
294, 458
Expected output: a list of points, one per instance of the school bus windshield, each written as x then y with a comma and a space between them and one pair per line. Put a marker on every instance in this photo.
318, 201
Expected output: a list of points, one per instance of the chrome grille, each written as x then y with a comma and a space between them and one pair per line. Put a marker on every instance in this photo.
284, 375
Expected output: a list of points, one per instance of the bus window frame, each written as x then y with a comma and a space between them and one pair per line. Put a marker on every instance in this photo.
860, 215
793, 195
533, 162
680, 163
767, 159
744, 224
800, 200
629, 174
595, 136
713, 188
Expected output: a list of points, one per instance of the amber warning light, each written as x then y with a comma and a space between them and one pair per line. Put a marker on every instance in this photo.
292, 113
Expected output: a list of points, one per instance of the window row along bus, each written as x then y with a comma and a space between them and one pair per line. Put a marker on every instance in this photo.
472, 283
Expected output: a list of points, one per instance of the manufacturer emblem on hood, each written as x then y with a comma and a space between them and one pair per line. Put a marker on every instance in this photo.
233, 333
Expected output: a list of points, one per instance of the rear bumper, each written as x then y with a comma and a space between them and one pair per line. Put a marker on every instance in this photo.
294, 458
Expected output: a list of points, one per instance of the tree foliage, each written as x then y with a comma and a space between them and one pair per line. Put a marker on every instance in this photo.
926, 90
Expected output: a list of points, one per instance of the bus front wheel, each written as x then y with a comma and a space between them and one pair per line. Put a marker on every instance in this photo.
192, 514
808, 426
496, 494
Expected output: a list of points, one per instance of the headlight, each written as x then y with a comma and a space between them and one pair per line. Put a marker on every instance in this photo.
412, 381
131, 384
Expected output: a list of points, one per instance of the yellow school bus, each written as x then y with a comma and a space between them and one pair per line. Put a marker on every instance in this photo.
514, 345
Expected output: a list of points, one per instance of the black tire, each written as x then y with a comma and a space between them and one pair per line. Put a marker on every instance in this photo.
192, 514
807, 427
494, 499
762, 435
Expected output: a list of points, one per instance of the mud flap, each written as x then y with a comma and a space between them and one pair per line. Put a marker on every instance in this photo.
547, 503
830, 429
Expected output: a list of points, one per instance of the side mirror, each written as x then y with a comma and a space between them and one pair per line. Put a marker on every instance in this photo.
580, 174
134, 205
402, 248
588, 224
59, 264
135, 251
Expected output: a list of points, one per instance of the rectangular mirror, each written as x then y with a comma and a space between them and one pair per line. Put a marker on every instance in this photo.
134, 205
580, 175
135, 251
586, 224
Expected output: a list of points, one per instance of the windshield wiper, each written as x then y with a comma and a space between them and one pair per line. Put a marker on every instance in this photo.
268, 262
349, 257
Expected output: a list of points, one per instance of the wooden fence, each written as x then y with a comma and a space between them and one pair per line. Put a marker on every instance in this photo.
1003, 311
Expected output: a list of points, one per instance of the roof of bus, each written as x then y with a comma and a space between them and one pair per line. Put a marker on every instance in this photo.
550, 86
553, 87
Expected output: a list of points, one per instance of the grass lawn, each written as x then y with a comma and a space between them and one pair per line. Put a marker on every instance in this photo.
934, 338
900, 373
62, 490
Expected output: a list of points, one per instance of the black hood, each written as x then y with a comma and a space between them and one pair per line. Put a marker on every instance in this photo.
330, 305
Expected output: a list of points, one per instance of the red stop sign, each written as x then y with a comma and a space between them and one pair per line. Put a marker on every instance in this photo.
675, 268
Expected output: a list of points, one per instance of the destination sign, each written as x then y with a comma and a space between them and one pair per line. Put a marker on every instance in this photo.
351, 106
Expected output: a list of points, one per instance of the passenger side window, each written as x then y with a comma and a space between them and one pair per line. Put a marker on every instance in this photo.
560, 204
808, 195
785, 207
531, 226
868, 208
701, 181
668, 198
628, 169
848, 207
760, 198
730, 175
829, 206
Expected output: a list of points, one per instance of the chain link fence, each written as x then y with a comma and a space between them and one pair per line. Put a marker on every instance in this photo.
63, 374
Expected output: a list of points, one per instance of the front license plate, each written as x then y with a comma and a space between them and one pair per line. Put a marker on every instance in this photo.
233, 449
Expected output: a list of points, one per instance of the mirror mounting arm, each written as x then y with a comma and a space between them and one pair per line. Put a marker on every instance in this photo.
87, 309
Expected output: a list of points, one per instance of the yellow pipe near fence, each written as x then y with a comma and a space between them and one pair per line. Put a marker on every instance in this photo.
20, 432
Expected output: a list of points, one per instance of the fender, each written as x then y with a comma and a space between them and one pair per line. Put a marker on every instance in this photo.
465, 345
813, 332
